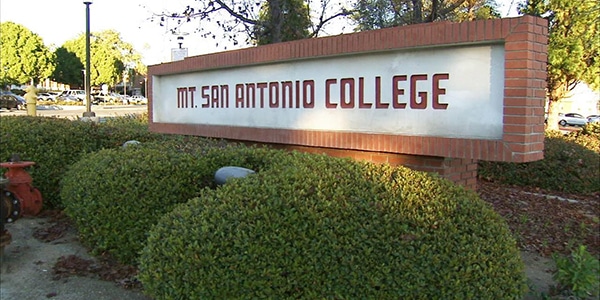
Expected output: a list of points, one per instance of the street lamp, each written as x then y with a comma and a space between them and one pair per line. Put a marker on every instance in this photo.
88, 103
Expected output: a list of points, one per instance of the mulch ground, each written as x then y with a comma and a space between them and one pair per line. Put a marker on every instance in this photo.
546, 222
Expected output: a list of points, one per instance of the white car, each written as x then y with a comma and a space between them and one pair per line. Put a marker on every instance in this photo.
593, 118
573, 119
138, 99
71, 95
47, 96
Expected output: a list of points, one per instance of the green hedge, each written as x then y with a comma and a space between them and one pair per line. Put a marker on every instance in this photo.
115, 195
318, 227
53, 144
571, 164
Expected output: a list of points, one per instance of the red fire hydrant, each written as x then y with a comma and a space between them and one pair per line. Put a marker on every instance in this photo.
20, 184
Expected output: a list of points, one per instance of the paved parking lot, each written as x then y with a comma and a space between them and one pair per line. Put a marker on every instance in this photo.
74, 112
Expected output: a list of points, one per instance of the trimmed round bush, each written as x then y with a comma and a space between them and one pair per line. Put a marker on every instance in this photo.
319, 227
116, 195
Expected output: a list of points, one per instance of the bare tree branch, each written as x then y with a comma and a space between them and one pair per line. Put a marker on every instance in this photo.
323, 21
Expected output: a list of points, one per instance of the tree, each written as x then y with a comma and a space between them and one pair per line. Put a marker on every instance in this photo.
289, 22
110, 58
25, 58
573, 46
68, 67
472, 10
258, 22
376, 14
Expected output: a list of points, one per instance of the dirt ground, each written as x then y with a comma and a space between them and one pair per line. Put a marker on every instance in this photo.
46, 260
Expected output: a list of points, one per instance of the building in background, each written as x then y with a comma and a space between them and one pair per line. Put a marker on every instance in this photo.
582, 100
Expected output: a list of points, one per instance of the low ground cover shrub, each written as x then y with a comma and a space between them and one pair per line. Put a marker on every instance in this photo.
313, 227
578, 274
571, 164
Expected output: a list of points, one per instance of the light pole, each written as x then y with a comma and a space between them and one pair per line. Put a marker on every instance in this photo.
125, 76
88, 103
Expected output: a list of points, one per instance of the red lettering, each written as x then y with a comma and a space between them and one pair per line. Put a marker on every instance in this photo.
437, 91
287, 86
224, 95
397, 92
251, 95
414, 104
308, 85
298, 94
205, 96
214, 91
274, 94
378, 103
361, 94
328, 84
349, 82
182, 97
191, 91
239, 95
261, 87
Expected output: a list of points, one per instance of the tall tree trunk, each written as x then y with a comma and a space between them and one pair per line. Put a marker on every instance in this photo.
434, 10
276, 22
417, 11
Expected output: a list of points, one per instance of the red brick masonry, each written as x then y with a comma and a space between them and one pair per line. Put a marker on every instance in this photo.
525, 42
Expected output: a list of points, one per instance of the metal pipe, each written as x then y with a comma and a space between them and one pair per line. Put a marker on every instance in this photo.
88, 103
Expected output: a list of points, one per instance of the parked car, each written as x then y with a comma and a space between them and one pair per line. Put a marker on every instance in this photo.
12, 101
138, 99
47, 96
107, 97
573, 119
593, 118
71, 95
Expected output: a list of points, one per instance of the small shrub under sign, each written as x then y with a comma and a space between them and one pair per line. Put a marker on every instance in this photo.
314, 227
571, 164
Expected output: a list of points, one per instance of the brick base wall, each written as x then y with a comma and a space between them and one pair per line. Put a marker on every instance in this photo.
461, 171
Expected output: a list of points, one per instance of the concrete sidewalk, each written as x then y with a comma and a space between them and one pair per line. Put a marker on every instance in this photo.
27, 263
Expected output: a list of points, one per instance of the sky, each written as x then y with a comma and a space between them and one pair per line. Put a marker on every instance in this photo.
57, 21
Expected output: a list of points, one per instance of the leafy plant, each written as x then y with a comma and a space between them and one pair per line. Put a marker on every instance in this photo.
571, 164
52, 143
116, 195
311, 226
578, 273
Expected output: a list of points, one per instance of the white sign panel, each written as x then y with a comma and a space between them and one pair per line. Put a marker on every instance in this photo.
447, 92
178, 54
